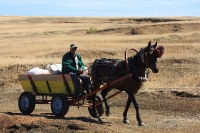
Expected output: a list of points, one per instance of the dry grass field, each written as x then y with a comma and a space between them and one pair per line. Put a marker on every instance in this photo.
169, 100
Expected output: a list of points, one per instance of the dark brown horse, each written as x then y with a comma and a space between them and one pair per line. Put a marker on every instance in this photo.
108, 70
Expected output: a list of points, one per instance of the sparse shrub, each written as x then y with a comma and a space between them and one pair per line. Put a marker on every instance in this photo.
92, 30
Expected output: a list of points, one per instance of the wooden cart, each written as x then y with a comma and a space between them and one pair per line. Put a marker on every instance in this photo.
60, 89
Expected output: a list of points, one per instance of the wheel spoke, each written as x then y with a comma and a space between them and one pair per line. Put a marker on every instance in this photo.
57, 105
24, 102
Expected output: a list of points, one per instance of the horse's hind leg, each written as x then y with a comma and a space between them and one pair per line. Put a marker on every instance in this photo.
103, 94
96, 114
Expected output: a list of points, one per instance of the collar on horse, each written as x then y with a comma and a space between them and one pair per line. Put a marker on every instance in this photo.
142, 54
126, 59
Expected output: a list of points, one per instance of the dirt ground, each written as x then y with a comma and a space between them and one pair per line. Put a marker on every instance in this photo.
161, 111
169, 102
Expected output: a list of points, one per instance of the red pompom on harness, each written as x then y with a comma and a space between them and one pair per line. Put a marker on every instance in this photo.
159, 51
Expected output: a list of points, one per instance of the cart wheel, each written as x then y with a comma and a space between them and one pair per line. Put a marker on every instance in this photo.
100, 108
26, 102
59, 105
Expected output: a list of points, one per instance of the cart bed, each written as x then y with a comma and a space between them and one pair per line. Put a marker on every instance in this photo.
46, 84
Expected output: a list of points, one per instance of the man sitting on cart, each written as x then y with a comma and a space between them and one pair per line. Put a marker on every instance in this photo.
72, 64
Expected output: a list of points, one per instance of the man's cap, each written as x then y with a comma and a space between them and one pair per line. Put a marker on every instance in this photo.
73, 45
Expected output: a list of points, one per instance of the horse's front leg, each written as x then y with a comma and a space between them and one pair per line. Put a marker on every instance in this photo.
137, 110
103, 94
125, 120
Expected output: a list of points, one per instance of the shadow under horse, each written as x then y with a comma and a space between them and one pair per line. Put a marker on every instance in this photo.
105, 71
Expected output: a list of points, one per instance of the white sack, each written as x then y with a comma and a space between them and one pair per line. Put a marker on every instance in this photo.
37, 71
54, 68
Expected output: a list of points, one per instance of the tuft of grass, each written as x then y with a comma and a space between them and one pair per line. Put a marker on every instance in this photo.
92, 30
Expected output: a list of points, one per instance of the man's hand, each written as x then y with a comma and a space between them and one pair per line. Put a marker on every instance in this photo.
80, 71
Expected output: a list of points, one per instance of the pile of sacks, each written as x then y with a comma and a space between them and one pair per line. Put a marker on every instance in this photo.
50, 69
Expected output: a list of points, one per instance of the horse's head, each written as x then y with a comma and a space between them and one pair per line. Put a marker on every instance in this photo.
150, 55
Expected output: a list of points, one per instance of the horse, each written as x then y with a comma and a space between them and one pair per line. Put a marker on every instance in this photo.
107, 70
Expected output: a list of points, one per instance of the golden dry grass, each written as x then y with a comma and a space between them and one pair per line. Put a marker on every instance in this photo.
27, 42
169, 100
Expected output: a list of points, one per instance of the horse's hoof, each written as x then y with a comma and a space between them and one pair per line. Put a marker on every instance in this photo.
100, 121
141, 124
96, 115
126, 121
107, 112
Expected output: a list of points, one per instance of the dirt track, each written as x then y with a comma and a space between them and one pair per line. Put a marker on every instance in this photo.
160, 111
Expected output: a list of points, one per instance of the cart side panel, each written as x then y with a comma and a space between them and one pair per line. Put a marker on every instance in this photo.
42, 87
57, 87
71, 85
70, 82
47, 84
26, 85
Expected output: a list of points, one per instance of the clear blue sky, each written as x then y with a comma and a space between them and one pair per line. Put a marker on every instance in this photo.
99, 8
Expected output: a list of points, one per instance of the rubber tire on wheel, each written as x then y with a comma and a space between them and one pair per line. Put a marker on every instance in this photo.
26, 102
100, 108
59, 105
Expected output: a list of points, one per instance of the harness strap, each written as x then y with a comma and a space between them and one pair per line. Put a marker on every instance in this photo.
112, 72
133, 64
105, 62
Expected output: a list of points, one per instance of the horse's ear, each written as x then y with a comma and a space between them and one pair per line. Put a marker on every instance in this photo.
149, 45
155, 45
